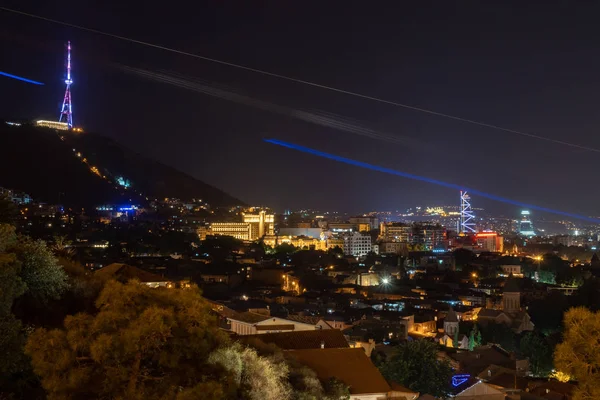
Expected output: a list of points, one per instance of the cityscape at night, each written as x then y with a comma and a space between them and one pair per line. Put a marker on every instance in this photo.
277, 201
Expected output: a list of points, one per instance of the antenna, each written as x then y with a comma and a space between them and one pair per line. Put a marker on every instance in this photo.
66, 112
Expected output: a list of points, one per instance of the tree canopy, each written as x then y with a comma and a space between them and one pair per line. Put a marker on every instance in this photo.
143, 343
416, 365
579, 354
539, 352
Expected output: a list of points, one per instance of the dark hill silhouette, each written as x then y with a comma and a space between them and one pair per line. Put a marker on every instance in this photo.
43, 163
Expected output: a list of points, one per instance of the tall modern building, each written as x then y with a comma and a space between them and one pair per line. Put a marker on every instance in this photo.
357, 244
395, 232
525, 225
261, 223
490, 241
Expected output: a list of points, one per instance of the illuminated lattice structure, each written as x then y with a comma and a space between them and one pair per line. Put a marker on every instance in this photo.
66, 112
467, 218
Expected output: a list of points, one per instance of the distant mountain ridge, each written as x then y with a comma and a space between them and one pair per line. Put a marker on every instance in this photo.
83, 170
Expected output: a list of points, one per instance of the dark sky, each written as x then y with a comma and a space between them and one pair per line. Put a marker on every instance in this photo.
531, 66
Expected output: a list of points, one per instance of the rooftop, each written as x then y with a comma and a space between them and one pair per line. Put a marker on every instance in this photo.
329, 338
351, 366
124, 272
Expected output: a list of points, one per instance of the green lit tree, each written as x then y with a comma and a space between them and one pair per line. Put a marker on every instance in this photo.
474, 337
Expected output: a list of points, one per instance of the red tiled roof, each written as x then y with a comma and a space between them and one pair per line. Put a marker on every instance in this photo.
287, 327
351, 366
124, 272
305, 320
330, 338
249, 317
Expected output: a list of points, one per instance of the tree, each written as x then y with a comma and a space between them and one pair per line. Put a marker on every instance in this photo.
548, 319
8, 211
285, 248
62, 247
570, 277
260, 378
463, 257
143, 343
539, 352
578, 354
28, 270
455, 339
415, 365
500, 334
40, 270
474, 337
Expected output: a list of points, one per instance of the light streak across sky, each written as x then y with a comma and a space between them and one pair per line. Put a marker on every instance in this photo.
328, 120
309, 83
20, 78
428, 180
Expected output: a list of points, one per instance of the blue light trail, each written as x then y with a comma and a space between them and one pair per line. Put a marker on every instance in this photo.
20, 78
426, 179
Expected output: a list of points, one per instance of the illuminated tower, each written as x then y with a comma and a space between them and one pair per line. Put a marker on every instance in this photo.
66, 114
467, 224
525, 225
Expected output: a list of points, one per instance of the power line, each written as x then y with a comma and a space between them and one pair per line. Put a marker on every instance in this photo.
301, 81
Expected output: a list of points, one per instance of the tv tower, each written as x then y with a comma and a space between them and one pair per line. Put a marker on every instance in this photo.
66, 114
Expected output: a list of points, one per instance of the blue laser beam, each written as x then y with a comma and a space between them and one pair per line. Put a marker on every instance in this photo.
426, 179
20, 78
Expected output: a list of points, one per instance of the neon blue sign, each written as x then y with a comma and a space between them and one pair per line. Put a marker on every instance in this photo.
458, 380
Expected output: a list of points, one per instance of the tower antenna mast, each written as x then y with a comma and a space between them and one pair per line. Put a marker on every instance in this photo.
66, 112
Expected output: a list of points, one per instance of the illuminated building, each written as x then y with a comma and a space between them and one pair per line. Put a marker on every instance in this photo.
395, 231
431, 237
290, 283
367, 223
238, 230
300, 242
490, 241
332, 243
357, 244
310, 232
341, 227
393, 248
202, 231
61, 126
261, 224
15, 197
525, 225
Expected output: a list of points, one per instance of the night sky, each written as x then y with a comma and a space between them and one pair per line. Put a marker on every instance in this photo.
530, 66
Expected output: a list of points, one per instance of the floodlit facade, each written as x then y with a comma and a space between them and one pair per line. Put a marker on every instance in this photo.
300, 242
261, 224
238, 230
356, 244
396, 232
490, 241
61, 126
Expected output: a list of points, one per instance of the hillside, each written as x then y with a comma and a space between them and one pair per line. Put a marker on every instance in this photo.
83, 169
